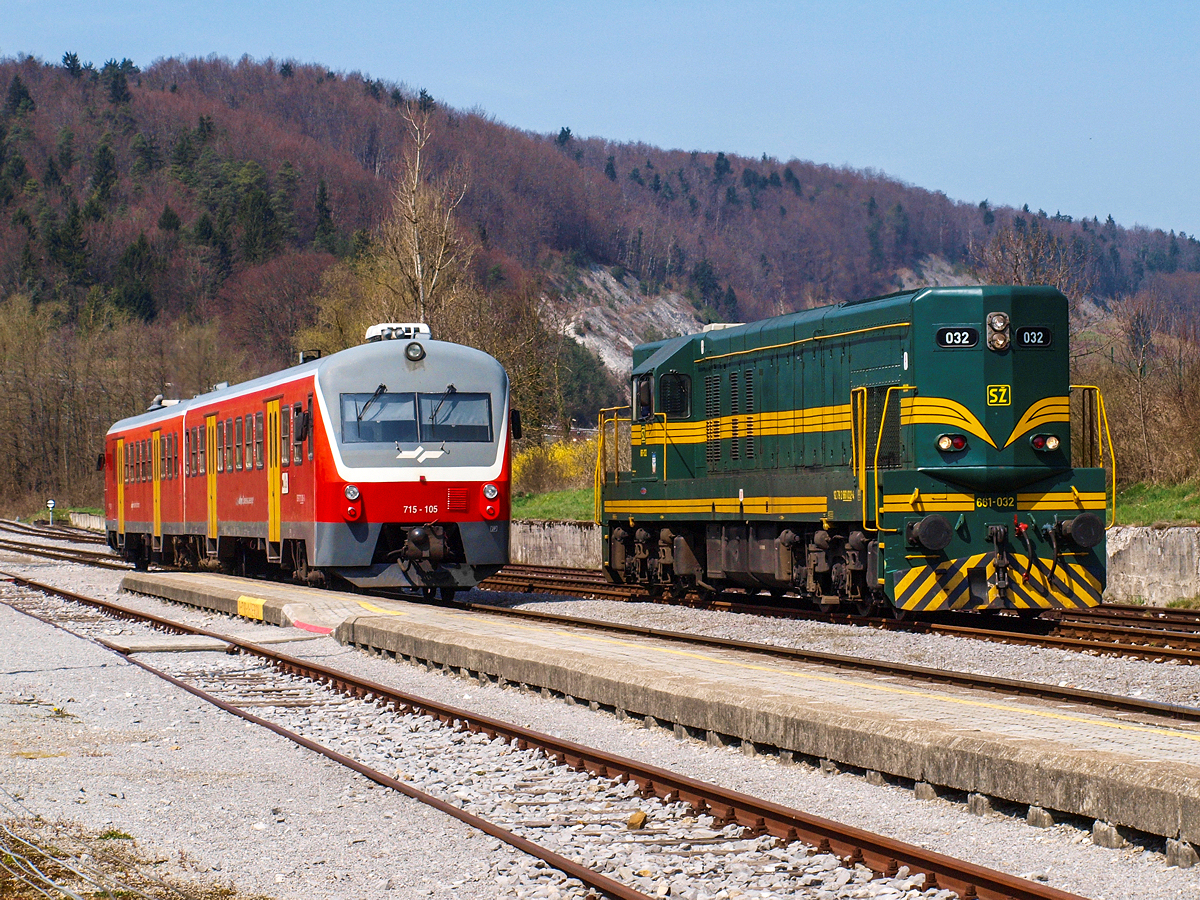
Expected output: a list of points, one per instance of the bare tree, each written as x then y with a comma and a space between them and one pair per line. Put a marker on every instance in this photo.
1028, 253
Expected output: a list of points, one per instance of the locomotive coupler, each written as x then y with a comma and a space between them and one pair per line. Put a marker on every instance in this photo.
998, 536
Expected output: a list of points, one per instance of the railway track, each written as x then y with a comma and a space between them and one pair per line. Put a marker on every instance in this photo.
1151, 633
602, 811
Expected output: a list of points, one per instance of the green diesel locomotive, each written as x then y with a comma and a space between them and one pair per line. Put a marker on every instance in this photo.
912, 451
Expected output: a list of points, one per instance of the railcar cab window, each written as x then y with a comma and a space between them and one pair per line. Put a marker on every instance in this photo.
404, 418
643, 396
675, 395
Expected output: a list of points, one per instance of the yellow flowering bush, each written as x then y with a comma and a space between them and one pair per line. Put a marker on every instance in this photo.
558, 466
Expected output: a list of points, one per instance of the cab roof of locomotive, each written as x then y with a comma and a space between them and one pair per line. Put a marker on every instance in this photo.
807, 323
449, 356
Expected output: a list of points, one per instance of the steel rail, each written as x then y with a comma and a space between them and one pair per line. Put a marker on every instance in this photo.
881, 854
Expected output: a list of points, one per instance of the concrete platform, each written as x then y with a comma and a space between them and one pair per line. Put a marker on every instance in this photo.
1114, 768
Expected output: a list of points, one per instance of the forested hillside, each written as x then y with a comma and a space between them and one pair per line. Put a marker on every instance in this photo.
166, 227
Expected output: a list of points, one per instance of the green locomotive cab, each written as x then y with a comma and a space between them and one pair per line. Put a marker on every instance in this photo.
913, 451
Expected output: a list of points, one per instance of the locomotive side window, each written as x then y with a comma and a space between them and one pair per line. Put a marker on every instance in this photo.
379, 418
957, 337
675, 395
1035, 336
285, 436
237, 443
258, 440
220, 457
456, 416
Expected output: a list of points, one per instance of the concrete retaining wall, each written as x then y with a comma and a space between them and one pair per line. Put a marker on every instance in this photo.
1150, 565
87, 520
574, 545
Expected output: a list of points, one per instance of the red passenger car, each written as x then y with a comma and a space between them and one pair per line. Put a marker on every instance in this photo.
386, 465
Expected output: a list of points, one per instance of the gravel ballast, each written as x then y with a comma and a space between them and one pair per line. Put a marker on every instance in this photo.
1063, 855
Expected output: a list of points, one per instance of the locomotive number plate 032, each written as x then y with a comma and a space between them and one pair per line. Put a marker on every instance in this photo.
1032, 337
995, 501
956, 337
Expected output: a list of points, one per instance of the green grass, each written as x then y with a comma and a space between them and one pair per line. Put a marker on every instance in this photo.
570, 506
1159, 504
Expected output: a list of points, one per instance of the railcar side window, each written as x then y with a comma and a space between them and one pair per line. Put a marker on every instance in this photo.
202, 442
675, 395
237, 443
285, 436
248, 453
312, 426
297, 436
379, 418
187, 443
220, 443
229, 445
258, 440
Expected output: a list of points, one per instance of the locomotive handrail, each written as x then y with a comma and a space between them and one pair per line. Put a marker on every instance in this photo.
601, 467
1104, 433
879, 443
858, 443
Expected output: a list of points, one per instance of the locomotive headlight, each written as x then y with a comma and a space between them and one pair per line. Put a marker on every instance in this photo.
948, 443
352, 492
998, 340
998, 321
997, 331
414, 351
1052, 442
491, 491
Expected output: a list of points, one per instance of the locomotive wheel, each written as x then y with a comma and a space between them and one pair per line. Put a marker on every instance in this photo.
865, 607
447, 594
899, 614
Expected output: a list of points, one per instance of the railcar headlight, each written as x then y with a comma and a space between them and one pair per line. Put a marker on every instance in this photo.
414, 351
352, 492
491, 491
951, 442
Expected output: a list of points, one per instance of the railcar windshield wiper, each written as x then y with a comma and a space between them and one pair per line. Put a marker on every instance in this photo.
375, 396
450, 389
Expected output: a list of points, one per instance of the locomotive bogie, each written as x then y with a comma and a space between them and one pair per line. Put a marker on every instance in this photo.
914, 451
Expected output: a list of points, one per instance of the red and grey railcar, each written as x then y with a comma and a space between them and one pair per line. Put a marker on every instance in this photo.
385, 465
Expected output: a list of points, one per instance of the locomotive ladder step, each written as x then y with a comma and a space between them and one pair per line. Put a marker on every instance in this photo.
274, 551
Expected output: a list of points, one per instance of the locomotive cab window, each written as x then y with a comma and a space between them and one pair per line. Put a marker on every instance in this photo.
675, 395
643, 396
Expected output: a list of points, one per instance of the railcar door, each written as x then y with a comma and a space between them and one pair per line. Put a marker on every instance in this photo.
274, 482
210, 474
119, 475
156, 474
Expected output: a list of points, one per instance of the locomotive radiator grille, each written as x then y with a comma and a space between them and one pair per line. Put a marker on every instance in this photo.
712, 415
749, 414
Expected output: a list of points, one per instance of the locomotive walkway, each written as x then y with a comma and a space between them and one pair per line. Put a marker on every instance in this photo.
1119, 769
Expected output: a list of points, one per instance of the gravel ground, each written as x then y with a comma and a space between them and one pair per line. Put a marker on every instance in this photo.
1063, 855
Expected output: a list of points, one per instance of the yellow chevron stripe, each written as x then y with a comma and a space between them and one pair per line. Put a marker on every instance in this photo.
1044, 412
929, 588
940, 411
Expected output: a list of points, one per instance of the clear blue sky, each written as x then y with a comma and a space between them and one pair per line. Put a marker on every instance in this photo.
1085, 108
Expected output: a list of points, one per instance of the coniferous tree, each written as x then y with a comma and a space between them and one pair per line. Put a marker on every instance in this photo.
286, 71
113, 75
67, 246
169, 220
70, 62
104, 170
326, 232
131, 280
18, 100
610, 168
564, 136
